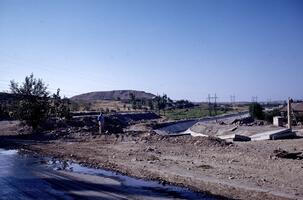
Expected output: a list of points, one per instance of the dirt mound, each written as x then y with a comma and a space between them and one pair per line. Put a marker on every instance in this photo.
209, 141
243, 121
83, 125
188, 139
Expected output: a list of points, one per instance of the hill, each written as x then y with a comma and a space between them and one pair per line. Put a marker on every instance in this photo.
112, 95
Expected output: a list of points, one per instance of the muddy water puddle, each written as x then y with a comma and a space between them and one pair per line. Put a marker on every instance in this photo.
26, 176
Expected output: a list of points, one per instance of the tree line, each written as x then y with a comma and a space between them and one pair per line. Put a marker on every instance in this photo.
158, 103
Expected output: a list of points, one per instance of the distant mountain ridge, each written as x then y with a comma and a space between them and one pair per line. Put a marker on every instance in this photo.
112, 95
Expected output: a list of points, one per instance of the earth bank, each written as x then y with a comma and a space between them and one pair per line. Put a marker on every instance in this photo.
251, 170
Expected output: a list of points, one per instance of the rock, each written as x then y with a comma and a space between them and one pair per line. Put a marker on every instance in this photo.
149, 149
222, 123
233, 161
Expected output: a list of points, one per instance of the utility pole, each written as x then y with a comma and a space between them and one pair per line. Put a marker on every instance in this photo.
289, 121
215, 105
232, 100
209, 105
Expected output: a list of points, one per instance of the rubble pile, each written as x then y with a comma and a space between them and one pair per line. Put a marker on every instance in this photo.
279, 153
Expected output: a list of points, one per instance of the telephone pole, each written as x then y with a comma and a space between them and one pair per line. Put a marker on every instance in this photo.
289, 111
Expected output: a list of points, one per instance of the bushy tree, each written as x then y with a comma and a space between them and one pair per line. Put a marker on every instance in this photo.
161, 102
256, 111
4, 111
59, 107
34, 104
150, 104
134, 101
183, 104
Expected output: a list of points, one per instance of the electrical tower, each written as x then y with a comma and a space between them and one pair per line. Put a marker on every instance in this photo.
254, 99
212, 104
233, 100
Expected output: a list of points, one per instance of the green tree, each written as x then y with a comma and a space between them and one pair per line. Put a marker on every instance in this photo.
164, 101
151, 104
256, 111
133, 101
60, 107
157, 102
33, 106
161, 102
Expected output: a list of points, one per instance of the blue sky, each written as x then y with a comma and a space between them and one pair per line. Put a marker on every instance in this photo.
184, 48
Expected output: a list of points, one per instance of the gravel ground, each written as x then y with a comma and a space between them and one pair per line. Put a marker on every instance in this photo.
250, 170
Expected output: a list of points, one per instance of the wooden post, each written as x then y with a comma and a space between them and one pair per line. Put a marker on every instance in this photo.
289, 113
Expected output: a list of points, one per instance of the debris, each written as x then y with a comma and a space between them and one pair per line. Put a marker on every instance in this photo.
221, 123
241, 138
246, 120
233, 129
233, 161
287, 155
149, 149
205, 167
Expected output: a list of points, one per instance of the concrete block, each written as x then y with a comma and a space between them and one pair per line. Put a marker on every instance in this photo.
241, 138
284, 135
278, 121
272, 135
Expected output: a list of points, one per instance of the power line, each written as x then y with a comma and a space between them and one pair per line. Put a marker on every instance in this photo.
254, 99
232, 99
212, 104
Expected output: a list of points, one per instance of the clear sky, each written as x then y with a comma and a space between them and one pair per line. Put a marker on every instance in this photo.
184, 48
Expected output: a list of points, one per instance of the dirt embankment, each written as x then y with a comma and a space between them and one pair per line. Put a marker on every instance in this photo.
253, 170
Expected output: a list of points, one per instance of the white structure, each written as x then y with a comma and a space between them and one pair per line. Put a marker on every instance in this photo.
278, 121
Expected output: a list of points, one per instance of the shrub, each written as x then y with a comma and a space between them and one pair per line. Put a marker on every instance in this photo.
256, 111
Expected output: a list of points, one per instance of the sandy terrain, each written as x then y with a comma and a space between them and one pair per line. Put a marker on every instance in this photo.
216, 129
250, 170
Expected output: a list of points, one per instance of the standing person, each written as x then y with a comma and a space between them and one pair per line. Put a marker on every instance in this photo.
101, 122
